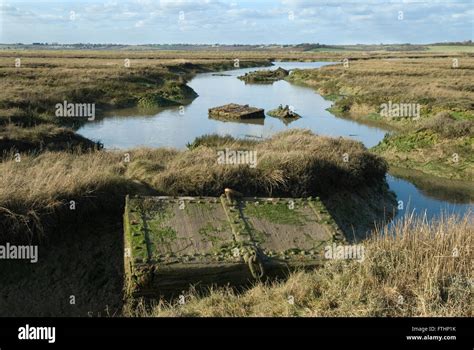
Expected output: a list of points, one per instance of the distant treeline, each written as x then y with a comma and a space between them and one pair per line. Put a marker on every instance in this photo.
239, 47
455, 43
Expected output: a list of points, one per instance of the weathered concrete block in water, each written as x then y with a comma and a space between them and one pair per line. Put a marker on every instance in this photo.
236, 111
174, 242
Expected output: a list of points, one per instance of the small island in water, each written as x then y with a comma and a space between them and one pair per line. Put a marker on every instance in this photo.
285, 113
265, 76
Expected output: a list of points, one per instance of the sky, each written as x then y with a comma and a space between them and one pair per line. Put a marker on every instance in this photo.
236, 22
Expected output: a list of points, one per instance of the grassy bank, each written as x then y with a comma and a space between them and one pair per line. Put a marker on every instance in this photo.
440, 146
440, 141
35, 193
40, 138
419, 269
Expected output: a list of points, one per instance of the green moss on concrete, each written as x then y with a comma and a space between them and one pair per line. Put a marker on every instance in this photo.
278, 213
212, 233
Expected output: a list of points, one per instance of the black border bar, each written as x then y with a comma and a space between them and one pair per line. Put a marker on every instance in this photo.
369, 331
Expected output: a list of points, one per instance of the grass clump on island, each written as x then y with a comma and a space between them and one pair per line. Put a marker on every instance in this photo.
295, 162
35, 193
418, 268
438, 142
265, 76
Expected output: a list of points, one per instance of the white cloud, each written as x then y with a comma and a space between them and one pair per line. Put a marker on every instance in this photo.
241, 21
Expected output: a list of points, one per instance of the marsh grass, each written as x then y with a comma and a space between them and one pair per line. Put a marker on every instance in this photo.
293, 163
42, 137
31, 91
366, 84
448, 126
445, 128
47, 77
415, 268
441, 146
36, 192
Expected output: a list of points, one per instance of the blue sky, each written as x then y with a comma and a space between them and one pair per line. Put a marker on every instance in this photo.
234, 21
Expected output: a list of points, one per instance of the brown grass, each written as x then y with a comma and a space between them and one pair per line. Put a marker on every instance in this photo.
294, 163
449, 127
411, 270
35, 192
42, 137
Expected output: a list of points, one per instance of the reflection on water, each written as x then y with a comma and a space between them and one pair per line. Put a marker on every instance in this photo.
455, 191
175, 127
252, 121
415, 200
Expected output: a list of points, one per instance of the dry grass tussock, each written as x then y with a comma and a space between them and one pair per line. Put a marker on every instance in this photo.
293, 163
35, 189
416, 268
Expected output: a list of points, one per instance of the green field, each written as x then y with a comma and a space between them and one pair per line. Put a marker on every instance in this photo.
451, 48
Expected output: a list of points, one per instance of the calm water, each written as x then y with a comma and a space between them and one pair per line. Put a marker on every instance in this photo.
424, 202
175, 127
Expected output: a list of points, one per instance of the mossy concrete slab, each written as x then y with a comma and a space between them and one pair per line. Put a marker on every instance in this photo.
281, 225
234, 111
174, 242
